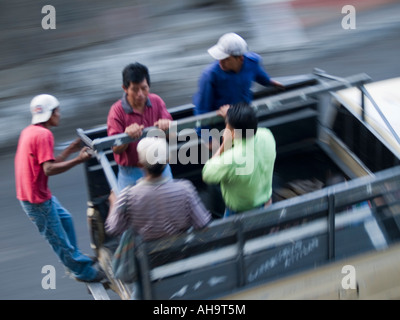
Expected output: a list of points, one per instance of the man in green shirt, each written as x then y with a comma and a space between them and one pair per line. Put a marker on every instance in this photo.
244, 163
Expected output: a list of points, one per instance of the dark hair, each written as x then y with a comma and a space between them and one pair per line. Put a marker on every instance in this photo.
156, 169
136, 73
242, 116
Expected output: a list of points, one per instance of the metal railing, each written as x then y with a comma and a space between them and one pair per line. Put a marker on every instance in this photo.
101, 145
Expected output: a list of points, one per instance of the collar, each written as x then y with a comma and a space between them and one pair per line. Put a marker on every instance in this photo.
154, 182
128, 108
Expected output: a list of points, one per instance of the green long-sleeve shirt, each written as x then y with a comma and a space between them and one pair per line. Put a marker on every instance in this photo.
245, 171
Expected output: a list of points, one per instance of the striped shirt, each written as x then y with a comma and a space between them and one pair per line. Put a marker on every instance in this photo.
158, 208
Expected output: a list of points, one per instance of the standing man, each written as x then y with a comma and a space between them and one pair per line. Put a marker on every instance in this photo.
229, 79
244, 163
136, 110
34, 163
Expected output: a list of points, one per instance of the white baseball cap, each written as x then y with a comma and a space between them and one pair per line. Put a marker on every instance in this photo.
42, 107
152, 150
230, 44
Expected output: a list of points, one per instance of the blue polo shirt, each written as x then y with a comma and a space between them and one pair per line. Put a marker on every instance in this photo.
218, 87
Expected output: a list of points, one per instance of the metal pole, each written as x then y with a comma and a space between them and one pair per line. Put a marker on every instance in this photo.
367, 94
331, 225
108, 171
362, 103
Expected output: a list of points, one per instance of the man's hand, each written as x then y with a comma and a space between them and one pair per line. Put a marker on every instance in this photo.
277, 85
112, 198
162, 124
84, 154
134, 130
75, 145
227, 141
223, 110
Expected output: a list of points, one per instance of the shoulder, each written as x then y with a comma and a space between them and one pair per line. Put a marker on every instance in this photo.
183, 184
264, 134
115, 108
217, 165
156, 99
39, 131
117, 105
211, 70
36, 134
253, 57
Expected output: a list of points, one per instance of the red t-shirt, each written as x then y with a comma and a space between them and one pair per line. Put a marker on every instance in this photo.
121, 115
35, 146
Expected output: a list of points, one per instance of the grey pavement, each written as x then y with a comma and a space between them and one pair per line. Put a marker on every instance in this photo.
173, 43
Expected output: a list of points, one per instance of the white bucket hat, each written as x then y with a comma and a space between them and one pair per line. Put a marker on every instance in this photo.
42, 107
230, 44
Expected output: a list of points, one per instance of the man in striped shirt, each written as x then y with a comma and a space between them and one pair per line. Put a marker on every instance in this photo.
156, 206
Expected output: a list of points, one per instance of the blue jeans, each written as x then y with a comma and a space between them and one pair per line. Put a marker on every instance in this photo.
55, 224
130, 175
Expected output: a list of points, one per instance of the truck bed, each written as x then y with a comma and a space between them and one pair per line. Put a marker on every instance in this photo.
333, 199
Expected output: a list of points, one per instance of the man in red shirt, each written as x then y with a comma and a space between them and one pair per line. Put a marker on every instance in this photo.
34, 163
136, 110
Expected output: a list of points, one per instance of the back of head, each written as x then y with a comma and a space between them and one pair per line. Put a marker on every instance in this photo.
136, 73
42, 107
241, 116
153, 154
230, 44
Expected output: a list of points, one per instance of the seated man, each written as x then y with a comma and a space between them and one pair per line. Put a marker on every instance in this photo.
156, 206
244, 163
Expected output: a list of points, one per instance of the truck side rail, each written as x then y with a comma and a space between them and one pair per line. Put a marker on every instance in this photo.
265, 105
211, 118
260, 245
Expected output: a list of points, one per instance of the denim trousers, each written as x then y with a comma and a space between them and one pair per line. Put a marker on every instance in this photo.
130, 175
55, 224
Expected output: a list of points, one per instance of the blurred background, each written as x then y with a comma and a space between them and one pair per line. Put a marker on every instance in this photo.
80, 62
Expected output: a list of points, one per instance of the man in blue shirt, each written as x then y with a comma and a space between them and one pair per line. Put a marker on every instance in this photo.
229, 79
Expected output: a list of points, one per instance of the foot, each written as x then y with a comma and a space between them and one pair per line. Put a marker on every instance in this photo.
94, 259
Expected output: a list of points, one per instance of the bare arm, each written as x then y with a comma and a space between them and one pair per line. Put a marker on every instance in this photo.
59, 165
134, 131
277, 84
75, 146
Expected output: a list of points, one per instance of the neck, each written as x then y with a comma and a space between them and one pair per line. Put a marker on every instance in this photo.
44, 125
136, 107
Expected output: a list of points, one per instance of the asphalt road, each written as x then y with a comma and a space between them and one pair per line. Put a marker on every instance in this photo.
23, 253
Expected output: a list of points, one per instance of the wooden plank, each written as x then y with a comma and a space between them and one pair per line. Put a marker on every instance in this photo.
97, 290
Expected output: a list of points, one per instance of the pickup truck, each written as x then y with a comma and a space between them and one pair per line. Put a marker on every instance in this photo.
332, 231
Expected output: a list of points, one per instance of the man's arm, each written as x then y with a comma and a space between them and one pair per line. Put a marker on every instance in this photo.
75, 146
204, 99
263, 78
58, 166
117, 221
199, 214
134, 131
